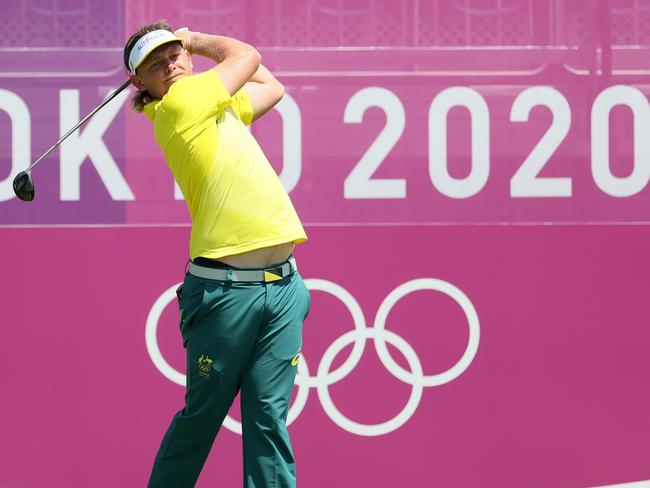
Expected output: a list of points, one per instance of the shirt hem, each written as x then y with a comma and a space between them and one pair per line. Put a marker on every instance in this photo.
250, 246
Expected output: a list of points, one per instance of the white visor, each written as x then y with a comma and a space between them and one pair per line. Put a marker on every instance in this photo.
148, 43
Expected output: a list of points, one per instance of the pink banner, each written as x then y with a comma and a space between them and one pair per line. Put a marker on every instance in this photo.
444, 120
518, 357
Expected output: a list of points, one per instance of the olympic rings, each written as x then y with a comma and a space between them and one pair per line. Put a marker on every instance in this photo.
359, 335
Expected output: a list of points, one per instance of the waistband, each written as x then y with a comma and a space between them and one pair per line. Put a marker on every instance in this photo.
265, 275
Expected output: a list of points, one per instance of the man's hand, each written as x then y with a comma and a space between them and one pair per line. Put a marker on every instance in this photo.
185, 34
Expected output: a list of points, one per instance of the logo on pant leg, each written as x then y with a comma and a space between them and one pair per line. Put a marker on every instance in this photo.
205, 365
294, 361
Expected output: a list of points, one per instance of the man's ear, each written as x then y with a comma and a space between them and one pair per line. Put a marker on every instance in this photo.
137, 82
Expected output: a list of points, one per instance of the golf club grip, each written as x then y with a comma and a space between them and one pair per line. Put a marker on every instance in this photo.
79, 124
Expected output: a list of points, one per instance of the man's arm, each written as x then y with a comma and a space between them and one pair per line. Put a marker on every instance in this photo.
264, 91
236, 61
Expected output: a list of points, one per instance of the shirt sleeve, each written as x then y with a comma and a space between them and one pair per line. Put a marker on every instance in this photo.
195, 101
241, 103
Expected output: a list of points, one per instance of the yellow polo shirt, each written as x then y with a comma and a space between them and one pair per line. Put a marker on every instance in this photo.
235, 198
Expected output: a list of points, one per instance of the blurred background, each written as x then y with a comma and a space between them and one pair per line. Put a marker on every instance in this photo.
473, 177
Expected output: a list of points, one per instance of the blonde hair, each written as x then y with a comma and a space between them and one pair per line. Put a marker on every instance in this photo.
142, 97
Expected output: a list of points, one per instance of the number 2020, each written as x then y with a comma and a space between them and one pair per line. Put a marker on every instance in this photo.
526, 181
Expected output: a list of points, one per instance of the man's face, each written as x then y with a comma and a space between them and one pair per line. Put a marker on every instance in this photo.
164, 65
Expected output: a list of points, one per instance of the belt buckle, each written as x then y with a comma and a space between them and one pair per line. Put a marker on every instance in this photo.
273, 274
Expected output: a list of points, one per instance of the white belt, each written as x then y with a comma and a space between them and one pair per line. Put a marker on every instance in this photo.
245, 275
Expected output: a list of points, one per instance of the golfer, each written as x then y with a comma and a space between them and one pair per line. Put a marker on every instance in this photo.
242, 302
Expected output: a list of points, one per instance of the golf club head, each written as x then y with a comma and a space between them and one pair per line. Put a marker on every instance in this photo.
24, 186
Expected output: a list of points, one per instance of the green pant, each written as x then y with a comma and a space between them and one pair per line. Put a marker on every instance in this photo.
239, 336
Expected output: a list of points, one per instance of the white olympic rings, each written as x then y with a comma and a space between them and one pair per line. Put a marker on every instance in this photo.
324, 378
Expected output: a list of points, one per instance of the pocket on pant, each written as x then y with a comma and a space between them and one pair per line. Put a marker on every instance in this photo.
307, 298
287, 343
302, 303
190, 300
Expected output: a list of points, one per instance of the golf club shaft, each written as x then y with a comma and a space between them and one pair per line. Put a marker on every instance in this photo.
106, 100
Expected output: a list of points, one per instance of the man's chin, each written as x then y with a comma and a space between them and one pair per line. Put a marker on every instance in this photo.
171, 81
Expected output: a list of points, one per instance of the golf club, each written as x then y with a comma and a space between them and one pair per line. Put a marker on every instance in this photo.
23, 184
